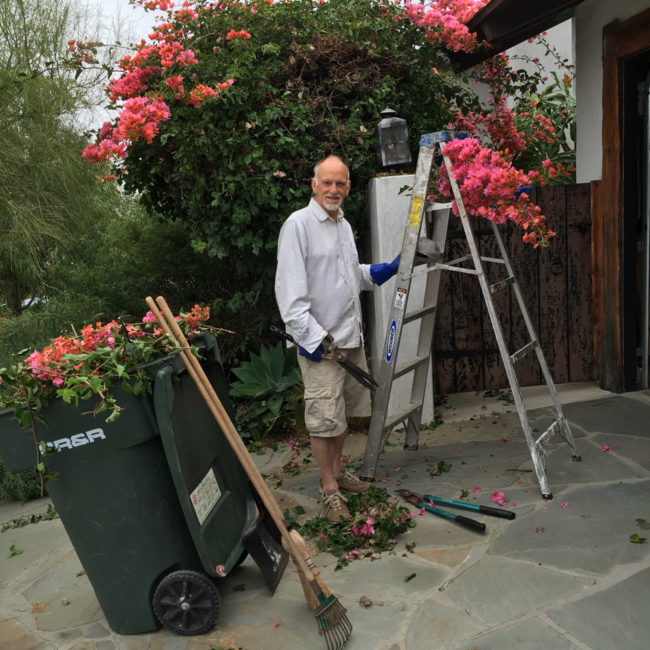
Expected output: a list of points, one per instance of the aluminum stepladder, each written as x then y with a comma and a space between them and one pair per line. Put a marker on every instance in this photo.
433, 247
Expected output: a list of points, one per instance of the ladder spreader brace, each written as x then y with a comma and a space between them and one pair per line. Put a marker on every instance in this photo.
433, 248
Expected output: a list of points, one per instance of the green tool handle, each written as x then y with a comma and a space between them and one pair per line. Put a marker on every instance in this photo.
485, 510
459, 519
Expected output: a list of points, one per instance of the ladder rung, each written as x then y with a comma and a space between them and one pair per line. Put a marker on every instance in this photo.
502, 284
409, 365
494, 260
400, 416
548, 434
522, 352
459, 260
419, 313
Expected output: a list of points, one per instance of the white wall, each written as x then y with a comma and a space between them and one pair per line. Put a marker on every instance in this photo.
561, 38
388, 211
591, 16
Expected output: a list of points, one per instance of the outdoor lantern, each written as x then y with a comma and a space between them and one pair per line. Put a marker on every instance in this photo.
393, 138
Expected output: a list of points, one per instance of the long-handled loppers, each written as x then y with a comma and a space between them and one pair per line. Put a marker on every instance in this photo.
421, 501
333, 624
429, 502
332, 352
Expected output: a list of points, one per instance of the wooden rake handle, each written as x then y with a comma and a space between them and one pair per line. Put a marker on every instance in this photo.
196, 372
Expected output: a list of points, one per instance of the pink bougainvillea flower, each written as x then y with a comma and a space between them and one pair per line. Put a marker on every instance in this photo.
366, 529
498, 497
606, 448
476, 488
564, 504
421, 511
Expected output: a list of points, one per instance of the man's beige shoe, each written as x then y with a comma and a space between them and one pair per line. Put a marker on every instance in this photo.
350, 483
334, 506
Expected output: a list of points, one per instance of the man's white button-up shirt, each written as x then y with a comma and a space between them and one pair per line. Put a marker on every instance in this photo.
319, 278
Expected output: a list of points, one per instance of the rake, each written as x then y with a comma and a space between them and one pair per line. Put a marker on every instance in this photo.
333, 624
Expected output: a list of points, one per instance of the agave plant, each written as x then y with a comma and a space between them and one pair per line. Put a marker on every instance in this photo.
268, 388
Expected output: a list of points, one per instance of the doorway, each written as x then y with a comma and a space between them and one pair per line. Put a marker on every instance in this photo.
636, 207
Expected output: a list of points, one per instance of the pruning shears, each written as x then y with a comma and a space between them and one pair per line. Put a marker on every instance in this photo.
333, 353
428, 503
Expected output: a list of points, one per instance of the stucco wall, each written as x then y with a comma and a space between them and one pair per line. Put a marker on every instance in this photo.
560, 37
591, 16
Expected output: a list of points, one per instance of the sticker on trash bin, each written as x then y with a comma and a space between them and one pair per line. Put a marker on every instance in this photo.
205, 496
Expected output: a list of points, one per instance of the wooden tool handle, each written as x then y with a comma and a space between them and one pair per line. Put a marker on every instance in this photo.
169, 325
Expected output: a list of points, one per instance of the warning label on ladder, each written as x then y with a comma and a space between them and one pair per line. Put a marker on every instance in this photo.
400, 298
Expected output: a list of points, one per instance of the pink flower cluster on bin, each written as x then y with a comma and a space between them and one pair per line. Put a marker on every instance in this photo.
54, 362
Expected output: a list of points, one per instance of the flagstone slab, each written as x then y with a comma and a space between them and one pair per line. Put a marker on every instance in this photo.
596, 465
617, 617
497, 589
590, 534
635, 451
615, 415
437, 624
530, 634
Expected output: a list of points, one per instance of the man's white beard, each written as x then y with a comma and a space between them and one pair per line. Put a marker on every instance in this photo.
332, 205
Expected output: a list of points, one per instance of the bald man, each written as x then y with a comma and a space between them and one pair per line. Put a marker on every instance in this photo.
317, 285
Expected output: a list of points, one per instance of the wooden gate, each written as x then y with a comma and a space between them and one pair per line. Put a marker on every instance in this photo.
556, 284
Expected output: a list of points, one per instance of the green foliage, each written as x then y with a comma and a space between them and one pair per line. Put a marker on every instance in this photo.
310, 81
268, 393
125, 256
49, 196
557, 103
376, 524
20, 486
20, 522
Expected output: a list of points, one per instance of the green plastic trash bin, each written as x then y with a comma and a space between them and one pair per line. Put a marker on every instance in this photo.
155, 503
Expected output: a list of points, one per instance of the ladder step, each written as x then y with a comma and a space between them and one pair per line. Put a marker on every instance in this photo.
502, 284
399, 416
522, 352
548, 434
419, 313
409, 365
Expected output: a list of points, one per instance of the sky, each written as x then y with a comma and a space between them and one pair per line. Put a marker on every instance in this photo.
119, 21
132, 21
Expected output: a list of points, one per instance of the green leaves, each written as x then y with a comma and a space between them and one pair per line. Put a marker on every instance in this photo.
384, 521
14, 550
269, 388
266, 374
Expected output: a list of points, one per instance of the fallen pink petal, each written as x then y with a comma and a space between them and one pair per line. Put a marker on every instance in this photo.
476, 488
606, 448
498, 497
565, 504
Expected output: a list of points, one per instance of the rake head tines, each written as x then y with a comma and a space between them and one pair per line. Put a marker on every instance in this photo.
333, 624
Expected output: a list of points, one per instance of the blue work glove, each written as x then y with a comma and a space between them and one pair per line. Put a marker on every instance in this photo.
316, 355
525, 188
382, 272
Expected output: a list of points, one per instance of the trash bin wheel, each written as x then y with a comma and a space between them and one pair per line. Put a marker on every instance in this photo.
187, 602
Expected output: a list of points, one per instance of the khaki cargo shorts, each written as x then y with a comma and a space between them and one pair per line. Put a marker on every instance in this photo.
332, 395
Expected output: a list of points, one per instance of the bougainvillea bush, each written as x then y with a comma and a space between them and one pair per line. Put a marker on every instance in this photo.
226, 106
